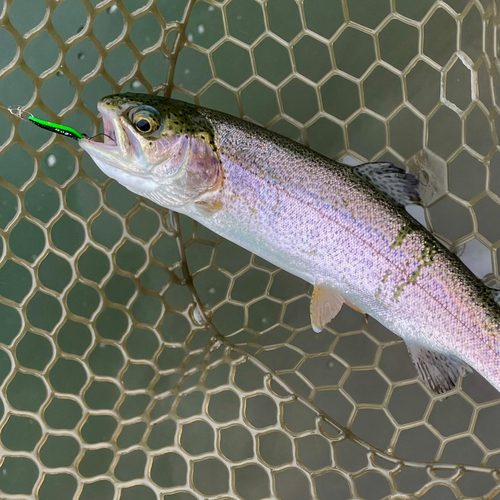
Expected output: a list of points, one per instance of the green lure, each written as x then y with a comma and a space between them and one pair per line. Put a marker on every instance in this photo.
53, 127
57, 128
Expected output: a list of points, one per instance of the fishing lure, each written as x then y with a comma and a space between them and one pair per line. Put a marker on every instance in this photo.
57, 128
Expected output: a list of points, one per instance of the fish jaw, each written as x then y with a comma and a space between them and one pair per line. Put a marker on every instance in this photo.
118, 156
140, 184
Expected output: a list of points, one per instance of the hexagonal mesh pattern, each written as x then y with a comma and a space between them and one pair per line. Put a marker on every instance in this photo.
141, 356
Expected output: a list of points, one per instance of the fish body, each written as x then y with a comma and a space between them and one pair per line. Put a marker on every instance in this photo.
322, 221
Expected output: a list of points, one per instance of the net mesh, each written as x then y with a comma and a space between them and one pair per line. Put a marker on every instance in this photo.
142, 357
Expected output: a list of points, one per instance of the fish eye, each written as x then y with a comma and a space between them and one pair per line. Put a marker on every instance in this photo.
143, 125
145, 121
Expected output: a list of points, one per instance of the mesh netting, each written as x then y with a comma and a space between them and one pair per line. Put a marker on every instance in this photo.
142, 357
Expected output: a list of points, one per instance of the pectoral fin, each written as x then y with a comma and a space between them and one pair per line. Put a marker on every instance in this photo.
209, 207
439, 371
325, 305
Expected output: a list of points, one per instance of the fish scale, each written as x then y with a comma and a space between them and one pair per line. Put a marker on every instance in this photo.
317, 219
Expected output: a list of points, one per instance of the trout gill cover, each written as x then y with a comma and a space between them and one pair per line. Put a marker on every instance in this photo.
343, 229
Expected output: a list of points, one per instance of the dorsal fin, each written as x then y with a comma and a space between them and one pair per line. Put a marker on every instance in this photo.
495, 294
402, 187
489, 282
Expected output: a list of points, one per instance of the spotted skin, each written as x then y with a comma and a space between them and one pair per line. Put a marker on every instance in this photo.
317, 219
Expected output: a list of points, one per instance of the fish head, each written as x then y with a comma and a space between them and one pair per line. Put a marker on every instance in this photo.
160, 148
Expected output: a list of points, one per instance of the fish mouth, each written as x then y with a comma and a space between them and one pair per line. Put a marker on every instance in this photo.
109, 136
118, 154
115, 136
111, 140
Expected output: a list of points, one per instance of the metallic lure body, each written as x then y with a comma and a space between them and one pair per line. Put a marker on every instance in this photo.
313, 217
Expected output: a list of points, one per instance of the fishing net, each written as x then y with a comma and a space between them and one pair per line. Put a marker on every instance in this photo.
142, 357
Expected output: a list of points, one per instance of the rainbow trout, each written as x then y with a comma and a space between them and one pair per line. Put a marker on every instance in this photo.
343, 229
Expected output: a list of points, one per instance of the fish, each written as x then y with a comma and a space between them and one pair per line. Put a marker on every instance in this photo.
343, 229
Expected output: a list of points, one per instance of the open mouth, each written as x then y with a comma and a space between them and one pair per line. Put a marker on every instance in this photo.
114, 155
115, 139
113, 143
114, 136
115, 151
109, 136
